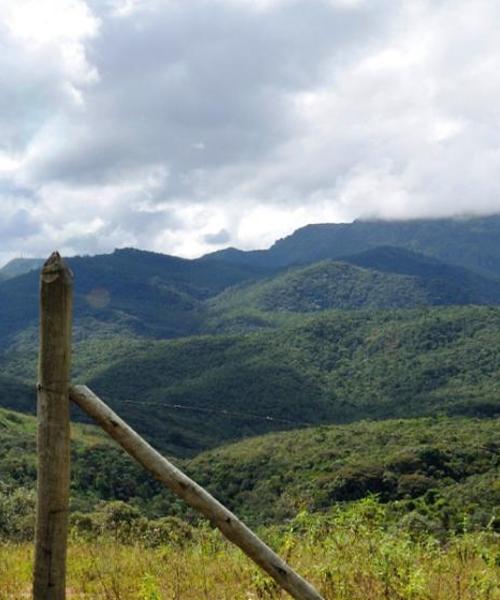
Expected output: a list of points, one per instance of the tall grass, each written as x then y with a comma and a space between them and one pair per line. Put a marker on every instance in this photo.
348, 556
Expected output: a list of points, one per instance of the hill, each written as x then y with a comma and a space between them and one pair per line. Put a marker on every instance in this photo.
436, 469
100, 471
443, 283
188, 395
473, 243
380, 278
260, 366
137, 292
453, 463
158, 296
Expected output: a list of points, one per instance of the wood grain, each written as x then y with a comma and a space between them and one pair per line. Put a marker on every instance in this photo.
49, 578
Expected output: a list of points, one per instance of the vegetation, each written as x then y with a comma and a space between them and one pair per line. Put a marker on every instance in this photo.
385, 278
334, 367
144, 293
159, 296
326, 285
349, 555
434, 473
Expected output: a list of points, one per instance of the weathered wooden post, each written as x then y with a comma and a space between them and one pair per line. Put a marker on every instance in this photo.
49, 581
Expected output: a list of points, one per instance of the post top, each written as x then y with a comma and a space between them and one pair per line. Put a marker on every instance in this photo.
55, 266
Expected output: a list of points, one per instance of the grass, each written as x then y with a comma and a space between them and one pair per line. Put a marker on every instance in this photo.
348, 556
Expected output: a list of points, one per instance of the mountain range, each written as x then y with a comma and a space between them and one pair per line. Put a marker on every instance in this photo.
358, 265
333, 324
343, 364
473, 243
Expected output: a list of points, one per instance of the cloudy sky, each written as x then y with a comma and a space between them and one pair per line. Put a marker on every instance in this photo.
183, 126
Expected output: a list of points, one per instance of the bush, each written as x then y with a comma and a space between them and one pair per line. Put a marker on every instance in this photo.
17, 514
413, 485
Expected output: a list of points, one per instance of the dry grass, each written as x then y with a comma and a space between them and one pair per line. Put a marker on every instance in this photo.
351, 563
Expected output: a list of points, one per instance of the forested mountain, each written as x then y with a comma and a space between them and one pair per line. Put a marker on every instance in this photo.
251, 359
336, 367
473, 243
346, 363
159, 296
191, 394
380, 278
142, 292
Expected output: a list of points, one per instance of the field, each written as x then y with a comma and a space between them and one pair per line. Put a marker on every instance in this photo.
349, 554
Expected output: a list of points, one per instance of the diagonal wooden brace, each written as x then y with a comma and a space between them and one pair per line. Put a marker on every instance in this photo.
192, 493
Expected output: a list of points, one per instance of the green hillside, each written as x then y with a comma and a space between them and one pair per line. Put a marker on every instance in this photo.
99, 471
408, 507
18, 445
385, 278
435, 469
191, 394
443, 283
453, 463
323, 286
145, 294
337, 367
158, 296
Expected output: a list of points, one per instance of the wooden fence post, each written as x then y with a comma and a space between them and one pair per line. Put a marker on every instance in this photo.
49, 580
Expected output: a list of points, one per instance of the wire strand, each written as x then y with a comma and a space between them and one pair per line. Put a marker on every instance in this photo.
223, 412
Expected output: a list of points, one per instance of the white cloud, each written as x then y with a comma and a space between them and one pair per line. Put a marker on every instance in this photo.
61, 26
179, 125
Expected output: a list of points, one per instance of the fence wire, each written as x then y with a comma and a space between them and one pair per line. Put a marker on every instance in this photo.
221, 412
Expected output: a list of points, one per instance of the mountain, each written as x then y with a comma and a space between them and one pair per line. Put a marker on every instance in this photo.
336, 367
152, 295
19, 266
443, 283
250, 360
139, 292
135, 293
380, 278
473, 243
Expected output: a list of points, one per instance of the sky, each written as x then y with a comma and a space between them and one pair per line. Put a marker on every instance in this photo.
185, 126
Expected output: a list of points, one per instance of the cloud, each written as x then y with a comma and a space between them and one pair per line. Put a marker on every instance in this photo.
221, 237
181, 126
43, 65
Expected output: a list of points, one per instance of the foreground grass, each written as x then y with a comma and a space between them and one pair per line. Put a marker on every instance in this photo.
355, 560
